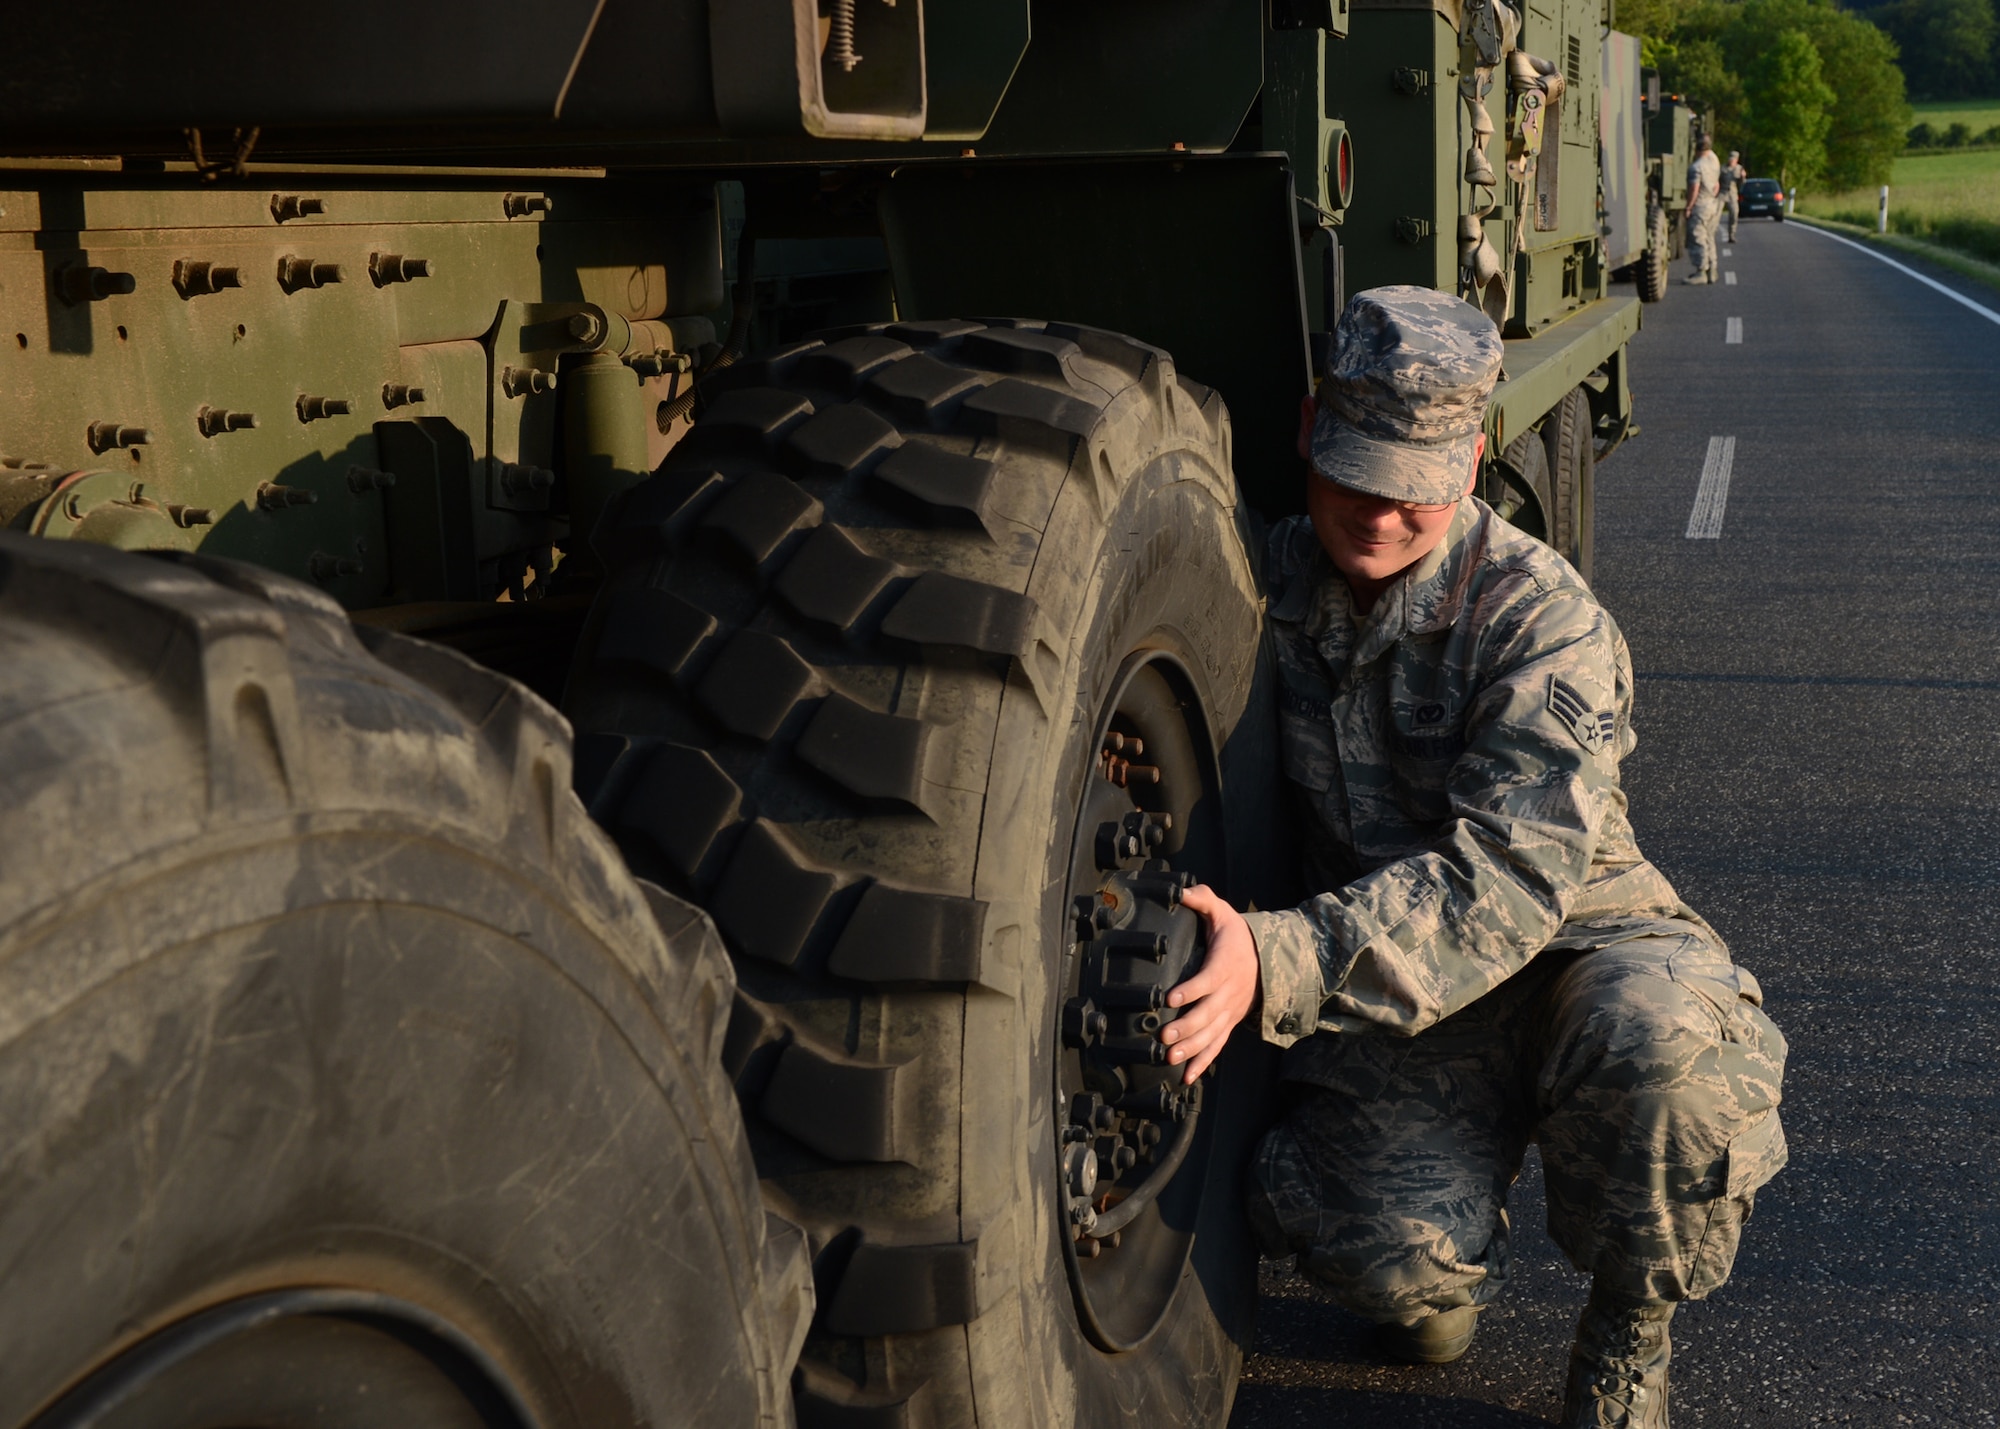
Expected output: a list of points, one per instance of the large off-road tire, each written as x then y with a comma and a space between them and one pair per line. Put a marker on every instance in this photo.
1653, 263
346, 1077
866, 637
1572, 481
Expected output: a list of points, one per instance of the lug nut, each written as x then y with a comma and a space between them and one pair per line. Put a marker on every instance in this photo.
81, 284
384, 268
214, 421
1082, 1023
517, 480
313, 409
290, 206
526, 381
186, 516
273, 497
104, 436
586, 328
296, 273
659, 361
193, 277
325, 567
364, 479
400, 394
521, 205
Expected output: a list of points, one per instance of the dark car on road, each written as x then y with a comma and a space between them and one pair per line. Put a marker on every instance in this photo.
1762, 196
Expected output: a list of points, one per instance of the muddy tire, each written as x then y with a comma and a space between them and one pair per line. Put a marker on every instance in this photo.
345, 1073
866, 635
1652, 265
1572, 481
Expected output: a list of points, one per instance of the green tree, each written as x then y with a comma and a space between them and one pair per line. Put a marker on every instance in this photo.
1947, 45
1868, 118
1695, 61
1788, 111
1870, 115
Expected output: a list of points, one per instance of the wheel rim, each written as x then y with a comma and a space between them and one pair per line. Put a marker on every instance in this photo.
328, 1336
1132, 1146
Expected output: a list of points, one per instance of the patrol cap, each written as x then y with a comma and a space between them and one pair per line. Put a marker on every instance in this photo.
1404, 397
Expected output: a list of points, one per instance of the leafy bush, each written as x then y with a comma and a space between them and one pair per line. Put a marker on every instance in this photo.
1958, 136
1921, 136
1978, 236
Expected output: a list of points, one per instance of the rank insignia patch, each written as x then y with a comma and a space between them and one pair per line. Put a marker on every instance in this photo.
1593, 728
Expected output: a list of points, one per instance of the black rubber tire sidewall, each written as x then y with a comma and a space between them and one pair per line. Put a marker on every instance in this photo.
411, 1029
1572, 471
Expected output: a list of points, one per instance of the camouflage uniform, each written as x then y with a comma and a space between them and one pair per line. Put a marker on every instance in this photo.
1493, 962
1704, 212
1732, 176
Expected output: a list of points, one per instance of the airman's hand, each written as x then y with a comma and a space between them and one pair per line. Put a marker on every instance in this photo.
1218, 997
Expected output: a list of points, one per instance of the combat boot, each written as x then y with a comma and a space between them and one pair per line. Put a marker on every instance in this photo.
1696, 278
1618, 1366
1435, 1339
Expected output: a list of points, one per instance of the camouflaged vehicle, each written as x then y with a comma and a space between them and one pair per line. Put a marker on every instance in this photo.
852, 416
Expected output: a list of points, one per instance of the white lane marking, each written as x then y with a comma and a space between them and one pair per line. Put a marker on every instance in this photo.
1733, 332
1729, 278
1727, 251
1705, 521
1960, 298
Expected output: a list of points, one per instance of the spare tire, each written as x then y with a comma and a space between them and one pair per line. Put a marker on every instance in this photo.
345, 1074
865, 681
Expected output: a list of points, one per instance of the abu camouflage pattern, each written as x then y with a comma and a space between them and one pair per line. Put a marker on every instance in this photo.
1404, 396
1704, 212
1493, 961
1645, 1070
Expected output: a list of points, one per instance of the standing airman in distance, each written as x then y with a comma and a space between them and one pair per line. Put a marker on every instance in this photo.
1704, 210
1733, 175
1488, 960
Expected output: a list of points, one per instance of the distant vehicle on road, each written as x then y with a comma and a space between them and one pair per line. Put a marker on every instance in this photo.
1762, 196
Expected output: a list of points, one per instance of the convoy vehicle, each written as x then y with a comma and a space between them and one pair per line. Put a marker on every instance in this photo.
1761, 197
1670, 125
858, 417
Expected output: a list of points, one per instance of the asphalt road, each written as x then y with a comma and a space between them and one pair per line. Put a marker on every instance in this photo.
1818, 693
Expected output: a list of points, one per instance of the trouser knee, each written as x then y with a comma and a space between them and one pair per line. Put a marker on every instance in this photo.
1384, 1255
1659, 1118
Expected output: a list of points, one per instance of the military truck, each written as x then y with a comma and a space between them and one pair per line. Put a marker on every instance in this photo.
1673, 125
857, 418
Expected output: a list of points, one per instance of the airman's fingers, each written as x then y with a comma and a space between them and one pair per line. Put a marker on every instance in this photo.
1199, 986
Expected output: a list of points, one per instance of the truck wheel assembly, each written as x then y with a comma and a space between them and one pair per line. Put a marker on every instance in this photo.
1653, 262
344, 1068
911, 666
1572, 479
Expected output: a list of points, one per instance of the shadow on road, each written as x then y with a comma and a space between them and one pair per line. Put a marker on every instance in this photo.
1264, 1404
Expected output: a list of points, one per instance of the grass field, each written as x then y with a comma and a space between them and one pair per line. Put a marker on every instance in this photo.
1978, 115
1950, 199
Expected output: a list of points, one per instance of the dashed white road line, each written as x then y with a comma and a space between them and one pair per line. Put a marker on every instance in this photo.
1729, 278
1727, 251
1956, 297
1705, 521
1733, 331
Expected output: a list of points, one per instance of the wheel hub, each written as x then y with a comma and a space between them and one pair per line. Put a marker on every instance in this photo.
1131, 1157
1130, 1124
